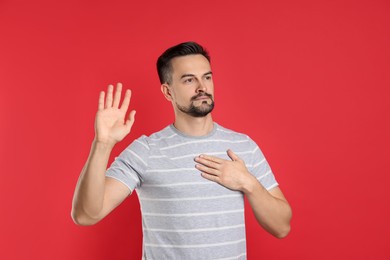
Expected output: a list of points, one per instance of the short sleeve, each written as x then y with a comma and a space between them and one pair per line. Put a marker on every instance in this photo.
130, 165
261, 169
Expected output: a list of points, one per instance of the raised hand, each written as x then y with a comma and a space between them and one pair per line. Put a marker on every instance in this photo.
111, 125
232, 174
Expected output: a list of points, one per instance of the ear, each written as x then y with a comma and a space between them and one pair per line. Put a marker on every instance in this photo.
166, 90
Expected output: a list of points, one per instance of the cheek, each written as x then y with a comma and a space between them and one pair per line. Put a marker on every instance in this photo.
183, 95
210, 86
210, 91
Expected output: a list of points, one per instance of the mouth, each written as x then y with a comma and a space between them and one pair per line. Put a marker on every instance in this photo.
204, 96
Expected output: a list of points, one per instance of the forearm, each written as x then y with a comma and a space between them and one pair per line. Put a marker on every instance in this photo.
89, 193
272, 213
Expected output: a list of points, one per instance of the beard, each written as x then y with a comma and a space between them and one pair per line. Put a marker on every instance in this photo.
201, 110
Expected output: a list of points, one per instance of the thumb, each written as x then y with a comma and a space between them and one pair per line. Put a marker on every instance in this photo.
232, 155
130, 121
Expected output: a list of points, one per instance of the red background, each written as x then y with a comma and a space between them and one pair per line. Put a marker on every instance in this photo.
308, 80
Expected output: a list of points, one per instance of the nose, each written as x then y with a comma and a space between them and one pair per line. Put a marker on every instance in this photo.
201, 87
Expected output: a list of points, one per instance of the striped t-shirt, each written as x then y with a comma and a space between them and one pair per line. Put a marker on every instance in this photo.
185, 216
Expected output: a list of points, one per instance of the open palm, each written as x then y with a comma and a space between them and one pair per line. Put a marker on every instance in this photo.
111, 125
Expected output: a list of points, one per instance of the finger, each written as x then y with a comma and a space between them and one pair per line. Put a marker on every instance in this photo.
109, 96
211, 158
207, 170
117, 96
210, 177
126, 101
208, 163
101, 100
232, 155
130, 121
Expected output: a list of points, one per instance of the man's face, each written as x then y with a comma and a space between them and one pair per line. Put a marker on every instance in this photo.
192, 87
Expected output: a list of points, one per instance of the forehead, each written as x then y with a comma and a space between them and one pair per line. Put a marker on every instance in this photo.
190, 64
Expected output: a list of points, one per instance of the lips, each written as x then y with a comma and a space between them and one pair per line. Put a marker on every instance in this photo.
202, 96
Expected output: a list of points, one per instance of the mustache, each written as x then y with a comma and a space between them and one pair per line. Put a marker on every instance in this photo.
202, 95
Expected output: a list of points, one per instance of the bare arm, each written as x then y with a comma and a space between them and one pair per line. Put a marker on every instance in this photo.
271, 209
95, 195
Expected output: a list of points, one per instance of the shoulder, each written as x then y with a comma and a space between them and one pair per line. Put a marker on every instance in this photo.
150, 140
228, 133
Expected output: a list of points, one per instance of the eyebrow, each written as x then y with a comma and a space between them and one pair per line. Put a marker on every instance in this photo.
192, 75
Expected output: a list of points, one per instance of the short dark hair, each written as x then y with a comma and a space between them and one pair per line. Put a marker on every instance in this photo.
164, 66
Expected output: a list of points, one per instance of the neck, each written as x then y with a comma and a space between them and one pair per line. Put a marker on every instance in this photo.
194, 126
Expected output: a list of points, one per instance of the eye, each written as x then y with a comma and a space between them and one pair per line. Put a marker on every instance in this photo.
188, 80
208, 77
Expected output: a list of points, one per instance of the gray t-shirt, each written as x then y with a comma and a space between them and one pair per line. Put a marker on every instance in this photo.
185, 216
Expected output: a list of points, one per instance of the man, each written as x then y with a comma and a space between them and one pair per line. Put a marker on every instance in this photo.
191, 177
